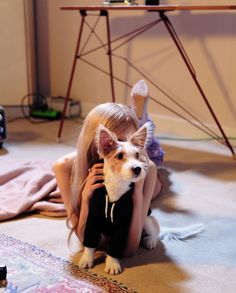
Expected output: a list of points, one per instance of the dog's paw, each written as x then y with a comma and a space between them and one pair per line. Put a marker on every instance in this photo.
152, 231
112, 266
149, 242
86, 261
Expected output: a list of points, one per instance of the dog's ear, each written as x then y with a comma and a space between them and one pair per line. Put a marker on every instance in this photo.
106, 141
142, 137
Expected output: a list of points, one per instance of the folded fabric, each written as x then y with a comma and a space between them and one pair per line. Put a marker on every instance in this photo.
27, 186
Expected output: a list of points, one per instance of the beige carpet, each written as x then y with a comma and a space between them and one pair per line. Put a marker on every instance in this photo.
200, 186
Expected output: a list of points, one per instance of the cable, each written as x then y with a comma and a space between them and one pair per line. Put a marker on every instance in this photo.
35, 101
191, 139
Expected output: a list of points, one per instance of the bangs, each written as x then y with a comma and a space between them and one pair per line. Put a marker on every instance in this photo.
121, 118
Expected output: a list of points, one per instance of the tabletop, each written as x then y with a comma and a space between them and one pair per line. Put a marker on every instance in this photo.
150, 7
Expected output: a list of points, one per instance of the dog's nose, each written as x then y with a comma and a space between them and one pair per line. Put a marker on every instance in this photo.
136, 170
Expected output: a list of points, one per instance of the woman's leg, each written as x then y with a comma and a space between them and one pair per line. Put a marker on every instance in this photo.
139, 95
139, 100
144, 190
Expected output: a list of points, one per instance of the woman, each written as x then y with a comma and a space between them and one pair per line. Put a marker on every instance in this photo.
77, 184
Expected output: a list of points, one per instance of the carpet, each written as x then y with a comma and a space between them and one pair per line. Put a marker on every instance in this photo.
31, 269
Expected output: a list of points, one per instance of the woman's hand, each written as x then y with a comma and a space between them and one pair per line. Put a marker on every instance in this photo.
92, 181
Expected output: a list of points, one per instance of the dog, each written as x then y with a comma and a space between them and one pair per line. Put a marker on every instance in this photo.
110, 208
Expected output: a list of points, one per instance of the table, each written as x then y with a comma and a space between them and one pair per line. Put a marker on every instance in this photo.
162, 10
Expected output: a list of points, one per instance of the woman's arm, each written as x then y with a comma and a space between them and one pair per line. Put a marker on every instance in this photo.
142, 196
84, 209
91, 184
62, 169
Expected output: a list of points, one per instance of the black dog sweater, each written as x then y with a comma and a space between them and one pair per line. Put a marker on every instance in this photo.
109, 218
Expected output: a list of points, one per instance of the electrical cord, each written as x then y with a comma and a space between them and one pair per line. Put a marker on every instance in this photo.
30, 105
191, 139
185, 139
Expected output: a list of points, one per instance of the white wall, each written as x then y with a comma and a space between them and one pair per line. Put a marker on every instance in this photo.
208, 37
16, 54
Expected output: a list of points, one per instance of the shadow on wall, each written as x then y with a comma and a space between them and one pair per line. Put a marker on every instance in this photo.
43, 49
190, 24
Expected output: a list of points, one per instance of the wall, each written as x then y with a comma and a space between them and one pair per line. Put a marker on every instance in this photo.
17, 53
208, 37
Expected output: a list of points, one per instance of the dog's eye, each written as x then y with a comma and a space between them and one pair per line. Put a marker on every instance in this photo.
137, 156
120, 156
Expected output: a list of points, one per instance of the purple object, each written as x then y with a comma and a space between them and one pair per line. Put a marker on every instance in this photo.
154, 149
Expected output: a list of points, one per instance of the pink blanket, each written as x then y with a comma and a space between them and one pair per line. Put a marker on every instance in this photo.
28, 186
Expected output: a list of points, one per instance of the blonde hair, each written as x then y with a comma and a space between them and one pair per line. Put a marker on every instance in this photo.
117, 118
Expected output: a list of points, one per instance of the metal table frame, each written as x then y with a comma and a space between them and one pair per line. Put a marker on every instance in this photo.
103, 11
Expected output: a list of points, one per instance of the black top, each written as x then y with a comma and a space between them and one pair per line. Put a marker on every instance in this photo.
111, 218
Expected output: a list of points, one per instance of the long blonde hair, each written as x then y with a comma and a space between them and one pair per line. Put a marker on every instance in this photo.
117, 118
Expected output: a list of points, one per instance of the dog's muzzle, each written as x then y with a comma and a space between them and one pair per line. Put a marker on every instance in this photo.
136, 170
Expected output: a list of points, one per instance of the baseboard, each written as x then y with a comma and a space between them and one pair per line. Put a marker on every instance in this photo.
167, 125
178, 127
13, 111
181, 128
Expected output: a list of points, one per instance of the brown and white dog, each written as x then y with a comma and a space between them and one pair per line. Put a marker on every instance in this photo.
110, 208
124, 164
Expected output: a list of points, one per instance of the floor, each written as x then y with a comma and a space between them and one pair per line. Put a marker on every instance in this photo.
199, 187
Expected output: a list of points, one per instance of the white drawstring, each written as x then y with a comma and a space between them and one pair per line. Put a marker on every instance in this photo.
111, 214
106, 207
112, 209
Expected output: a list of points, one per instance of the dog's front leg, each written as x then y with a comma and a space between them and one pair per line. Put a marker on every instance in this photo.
86, 261
112, 265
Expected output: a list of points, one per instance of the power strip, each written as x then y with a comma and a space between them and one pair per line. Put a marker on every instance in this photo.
57, 104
